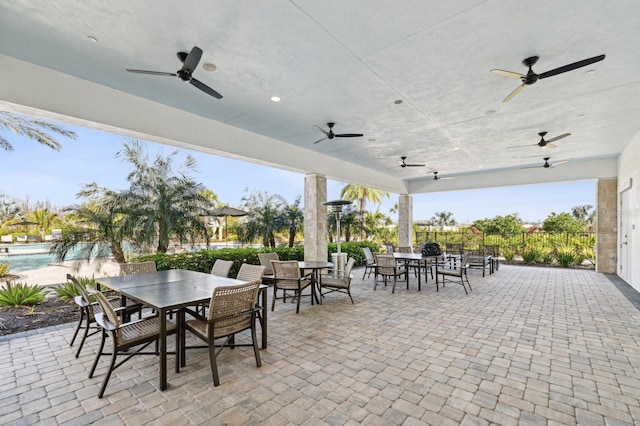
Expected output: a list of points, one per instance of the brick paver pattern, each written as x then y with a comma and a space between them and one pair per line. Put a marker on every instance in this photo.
528, 346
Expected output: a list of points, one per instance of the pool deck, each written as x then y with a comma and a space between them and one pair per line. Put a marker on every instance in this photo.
528, 346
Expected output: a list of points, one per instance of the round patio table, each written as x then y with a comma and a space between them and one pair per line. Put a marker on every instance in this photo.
315, 267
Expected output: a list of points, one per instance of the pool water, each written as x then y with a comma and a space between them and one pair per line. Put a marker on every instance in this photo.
25, 257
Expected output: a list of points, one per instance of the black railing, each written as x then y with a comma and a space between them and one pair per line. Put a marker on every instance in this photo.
516, 241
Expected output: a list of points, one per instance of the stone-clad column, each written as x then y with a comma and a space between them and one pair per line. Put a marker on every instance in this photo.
405, 221
607, 226
315, 218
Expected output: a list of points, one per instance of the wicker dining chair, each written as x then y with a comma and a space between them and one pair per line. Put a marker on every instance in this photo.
388, 268
250, 272
232, 309
265, 260
125, 336
221, 268
370, 262
336, 280
457, 275
288, 278
88, 309
137, 267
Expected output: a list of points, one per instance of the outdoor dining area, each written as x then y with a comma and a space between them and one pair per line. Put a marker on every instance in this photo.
526, 346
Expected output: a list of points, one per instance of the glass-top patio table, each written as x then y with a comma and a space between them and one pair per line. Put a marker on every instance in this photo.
407, 258
166, 291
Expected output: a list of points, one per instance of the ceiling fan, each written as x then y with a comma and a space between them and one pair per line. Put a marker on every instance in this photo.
189, 63
544, 143
331, 135
403, 164
546, 164
436, 177
531, 77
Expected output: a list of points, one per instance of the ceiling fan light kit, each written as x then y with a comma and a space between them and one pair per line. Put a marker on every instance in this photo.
544, 143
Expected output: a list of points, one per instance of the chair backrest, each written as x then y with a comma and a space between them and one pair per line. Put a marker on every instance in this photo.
250, 272
84, 293
137, 267
454, 248
386, 263
389, 248
368, 255
492, 250
405, 250
286, 269
347, 269
221, 268
231, 306
265, 260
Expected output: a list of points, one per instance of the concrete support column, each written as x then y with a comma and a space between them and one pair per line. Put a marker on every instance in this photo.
607, 226
405, 221
315, 218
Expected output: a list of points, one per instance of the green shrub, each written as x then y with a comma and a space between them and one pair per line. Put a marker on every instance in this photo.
19, 294
66, 291
4, 269
546, 256
530, 255
203, 260
566, 256
509, 253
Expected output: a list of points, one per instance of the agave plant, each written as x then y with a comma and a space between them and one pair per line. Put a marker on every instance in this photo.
20, 294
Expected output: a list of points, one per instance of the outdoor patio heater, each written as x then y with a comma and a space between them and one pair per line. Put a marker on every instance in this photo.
338, 259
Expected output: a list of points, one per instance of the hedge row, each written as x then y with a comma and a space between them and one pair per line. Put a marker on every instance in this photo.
203, 260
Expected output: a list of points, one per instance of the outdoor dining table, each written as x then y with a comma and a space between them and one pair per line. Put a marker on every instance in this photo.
315, 267
407, 258
166, 291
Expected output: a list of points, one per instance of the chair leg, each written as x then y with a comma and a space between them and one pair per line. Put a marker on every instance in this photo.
275, 291
86, 332
393, 290
114, 355
95, 362
254, 338
78, 327
214, 365
299, 294
349, 293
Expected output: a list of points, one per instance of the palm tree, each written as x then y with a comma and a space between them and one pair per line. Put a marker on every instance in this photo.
32, 128
362, 194
101, 234
376, 220
581, 213
443, 219
293, 219
265, 219
161, 203
44, 218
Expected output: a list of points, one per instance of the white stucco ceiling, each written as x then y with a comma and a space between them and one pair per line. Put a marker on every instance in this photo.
346, 62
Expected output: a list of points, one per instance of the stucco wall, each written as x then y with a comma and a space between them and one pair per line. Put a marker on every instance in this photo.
629, 172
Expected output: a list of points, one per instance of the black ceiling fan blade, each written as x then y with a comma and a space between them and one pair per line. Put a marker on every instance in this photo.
206, 89
522, 146
571, 67
323, 131
192, 60
557, 138
415, 165
320, 140
170, 74
510, 74
349, 135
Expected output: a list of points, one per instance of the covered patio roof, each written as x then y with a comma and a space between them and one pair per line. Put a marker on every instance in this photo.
414, 78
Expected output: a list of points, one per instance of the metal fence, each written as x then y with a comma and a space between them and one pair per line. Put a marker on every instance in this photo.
516, 241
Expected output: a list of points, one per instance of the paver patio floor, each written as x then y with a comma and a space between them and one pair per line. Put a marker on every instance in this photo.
528, 345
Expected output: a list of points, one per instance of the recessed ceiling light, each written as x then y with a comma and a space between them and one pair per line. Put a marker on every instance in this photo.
275, 98
481, 167
92, 39
208, 66
580, 115
456, 148
398, 101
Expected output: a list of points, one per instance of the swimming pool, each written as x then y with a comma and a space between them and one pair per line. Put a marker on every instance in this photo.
24, 257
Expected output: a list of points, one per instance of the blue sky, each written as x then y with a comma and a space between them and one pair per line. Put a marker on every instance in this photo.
41, 174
